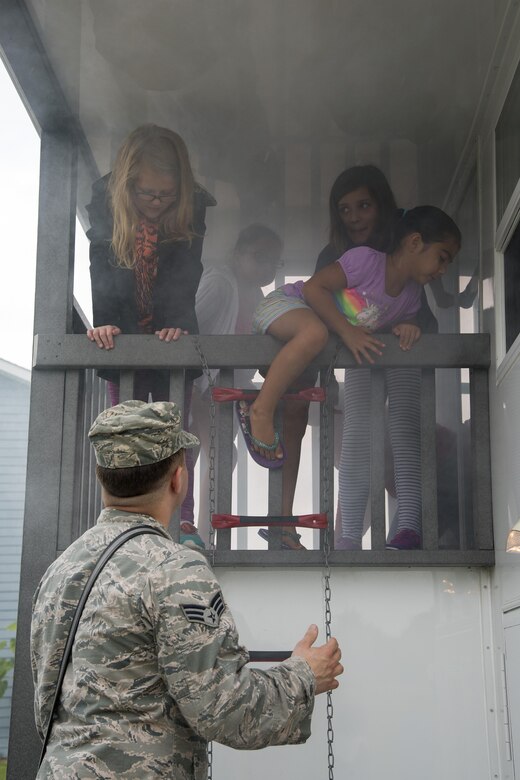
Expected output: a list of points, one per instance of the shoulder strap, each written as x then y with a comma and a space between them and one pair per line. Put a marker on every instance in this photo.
99, 565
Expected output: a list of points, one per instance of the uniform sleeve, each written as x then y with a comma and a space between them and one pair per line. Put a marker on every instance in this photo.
205, 667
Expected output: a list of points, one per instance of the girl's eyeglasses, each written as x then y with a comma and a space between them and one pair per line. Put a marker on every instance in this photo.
149, 197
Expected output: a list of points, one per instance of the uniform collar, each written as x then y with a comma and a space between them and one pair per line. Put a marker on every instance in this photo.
113, 516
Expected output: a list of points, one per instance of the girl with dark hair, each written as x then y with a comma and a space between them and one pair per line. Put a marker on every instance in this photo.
364, 291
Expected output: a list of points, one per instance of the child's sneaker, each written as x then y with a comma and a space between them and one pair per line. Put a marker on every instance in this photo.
345, 543
405, 540
190, 537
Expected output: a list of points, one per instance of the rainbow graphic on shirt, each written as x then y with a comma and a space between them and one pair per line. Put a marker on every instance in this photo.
357, 309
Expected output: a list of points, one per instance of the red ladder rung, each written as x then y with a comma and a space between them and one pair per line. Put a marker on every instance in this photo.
222, 394
318, 520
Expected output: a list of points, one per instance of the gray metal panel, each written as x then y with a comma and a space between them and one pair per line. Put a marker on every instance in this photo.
430, 524
69, 351
377, 460
481, 464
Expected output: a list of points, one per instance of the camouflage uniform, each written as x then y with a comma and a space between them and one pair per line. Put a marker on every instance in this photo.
156, 668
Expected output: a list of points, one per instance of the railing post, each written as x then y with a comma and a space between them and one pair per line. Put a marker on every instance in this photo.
430, 524
45, 474
480, 459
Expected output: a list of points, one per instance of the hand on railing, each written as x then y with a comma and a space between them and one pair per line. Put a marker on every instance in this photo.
170, 334
103, 335
408, 333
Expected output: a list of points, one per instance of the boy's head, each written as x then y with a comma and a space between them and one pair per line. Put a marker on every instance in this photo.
137, 445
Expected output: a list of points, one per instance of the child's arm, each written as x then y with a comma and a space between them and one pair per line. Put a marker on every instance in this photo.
318, 292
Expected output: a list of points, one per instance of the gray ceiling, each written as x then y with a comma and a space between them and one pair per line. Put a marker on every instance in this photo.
275, 97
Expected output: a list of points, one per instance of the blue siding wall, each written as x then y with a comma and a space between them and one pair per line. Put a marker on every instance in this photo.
14, 422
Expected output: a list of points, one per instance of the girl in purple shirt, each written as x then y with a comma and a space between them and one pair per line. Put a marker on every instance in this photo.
364, 291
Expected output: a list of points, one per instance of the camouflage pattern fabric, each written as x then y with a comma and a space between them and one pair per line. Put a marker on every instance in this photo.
156, 668
135, 433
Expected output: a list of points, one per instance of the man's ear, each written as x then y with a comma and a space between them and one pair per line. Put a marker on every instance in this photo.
176, 478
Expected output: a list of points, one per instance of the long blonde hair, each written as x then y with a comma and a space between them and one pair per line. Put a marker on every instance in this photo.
165, 151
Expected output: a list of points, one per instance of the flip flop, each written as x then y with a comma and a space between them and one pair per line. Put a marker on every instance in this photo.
190, 537
264, 534
242, 412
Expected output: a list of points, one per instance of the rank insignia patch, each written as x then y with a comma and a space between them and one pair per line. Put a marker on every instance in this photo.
208, 616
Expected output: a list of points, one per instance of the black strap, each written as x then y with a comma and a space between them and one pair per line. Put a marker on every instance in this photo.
99, 565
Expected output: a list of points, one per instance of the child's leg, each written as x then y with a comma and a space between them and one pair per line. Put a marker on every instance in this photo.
354, 466
305, 336
113, 393
404, 389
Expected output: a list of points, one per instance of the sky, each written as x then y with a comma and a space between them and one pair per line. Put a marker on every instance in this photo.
19, 166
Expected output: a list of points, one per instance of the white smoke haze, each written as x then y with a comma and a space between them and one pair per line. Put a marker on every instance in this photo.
274, 99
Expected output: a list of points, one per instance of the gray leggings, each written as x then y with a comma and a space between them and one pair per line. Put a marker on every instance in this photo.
403, 387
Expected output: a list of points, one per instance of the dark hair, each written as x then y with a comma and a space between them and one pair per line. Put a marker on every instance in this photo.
376, 182
137, 480
432, 223
254, 233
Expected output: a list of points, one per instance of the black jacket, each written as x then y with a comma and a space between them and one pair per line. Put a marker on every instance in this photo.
178, 272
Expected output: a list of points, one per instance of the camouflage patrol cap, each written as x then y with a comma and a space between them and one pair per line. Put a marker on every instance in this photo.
135, 433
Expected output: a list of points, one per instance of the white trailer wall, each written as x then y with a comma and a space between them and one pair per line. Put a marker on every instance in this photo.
417, 652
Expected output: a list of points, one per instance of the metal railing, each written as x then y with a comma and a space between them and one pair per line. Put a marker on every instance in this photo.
84, 397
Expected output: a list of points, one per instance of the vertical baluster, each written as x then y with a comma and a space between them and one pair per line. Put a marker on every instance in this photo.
176, 394
430, 525
224, 465
274, 506
377, 458
326, 460
126, 385
480, 459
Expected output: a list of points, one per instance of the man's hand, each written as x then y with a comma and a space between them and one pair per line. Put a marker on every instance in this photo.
408, 334
103, 335
323, 660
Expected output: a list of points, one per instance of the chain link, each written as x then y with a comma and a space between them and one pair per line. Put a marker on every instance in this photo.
328, 507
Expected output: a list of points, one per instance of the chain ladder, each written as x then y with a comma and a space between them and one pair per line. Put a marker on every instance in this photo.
212, 482
327, 592
327, 492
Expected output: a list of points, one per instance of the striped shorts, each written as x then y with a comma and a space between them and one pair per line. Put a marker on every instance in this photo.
272, 307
